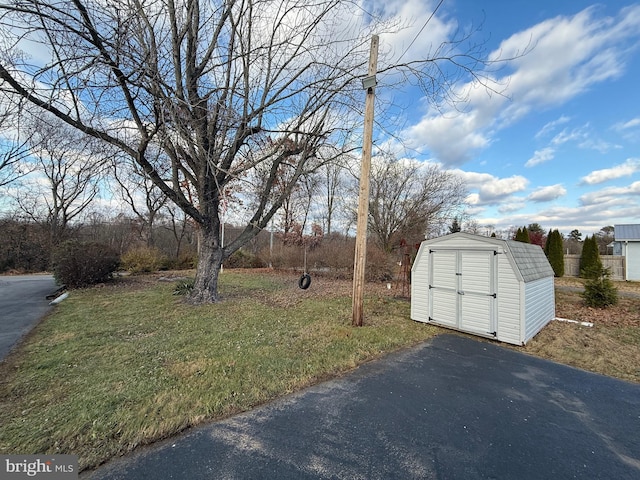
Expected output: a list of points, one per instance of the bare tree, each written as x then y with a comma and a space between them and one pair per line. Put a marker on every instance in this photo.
65, 179
209, 84
138, 191
408, 196
472, 226
179, 225
13, 149
332, 184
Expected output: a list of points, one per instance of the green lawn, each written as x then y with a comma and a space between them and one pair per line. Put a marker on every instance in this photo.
125, 365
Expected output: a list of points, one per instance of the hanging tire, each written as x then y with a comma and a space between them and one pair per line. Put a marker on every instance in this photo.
305, 281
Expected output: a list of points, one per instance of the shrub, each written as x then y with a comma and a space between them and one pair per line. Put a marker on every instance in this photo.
242, 259
380, 266
184, 287
77, 264
599, 291
143, 260
186, 261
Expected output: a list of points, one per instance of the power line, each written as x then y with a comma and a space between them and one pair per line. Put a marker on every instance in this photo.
421, 30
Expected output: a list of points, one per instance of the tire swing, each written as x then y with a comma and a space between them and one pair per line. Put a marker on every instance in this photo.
305, 279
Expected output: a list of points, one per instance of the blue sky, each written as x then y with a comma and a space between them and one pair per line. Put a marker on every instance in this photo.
561, 145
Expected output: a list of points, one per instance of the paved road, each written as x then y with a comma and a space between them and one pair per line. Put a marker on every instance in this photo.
453, 408
22, 304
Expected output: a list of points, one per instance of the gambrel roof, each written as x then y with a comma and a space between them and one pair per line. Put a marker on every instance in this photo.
530, 259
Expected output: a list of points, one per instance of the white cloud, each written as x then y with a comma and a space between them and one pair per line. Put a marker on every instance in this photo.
598, 144
582, 136
513, 205
633, 123
551, 126
541, 156
490, 190
629, 130
570, 55
451, 139
567, 56
410, 41
587, 219
625, 169
613, 195
547, 194
577, 134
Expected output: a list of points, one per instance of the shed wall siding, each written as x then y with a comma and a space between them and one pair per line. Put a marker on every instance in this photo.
420, 287
508, 321
633, 261
540, 306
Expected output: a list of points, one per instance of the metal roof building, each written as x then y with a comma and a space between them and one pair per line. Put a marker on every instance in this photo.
627, 244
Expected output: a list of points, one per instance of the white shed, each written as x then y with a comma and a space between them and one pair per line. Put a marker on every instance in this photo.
500, 289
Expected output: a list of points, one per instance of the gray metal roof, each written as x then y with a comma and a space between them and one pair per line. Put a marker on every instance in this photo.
627, 232
531, 260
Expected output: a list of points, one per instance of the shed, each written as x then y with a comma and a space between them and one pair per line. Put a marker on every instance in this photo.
627, 244
494, 288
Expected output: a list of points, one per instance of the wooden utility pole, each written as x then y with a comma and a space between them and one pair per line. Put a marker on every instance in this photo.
369, 84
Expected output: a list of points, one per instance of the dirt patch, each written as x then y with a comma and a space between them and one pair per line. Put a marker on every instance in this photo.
626, 313
610, 347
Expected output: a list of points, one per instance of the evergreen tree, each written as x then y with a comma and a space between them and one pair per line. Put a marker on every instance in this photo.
455, 226
599, 290
522, 235
590, 263
553, 249
546, 243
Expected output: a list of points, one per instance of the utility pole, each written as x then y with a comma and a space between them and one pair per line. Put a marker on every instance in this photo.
369, 84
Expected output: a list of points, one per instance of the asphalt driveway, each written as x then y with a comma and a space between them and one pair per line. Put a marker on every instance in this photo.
22, 305
453, 408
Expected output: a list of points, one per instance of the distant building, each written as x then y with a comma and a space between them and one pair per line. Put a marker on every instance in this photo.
627, 244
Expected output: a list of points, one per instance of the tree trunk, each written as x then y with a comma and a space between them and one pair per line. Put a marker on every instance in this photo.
210, 257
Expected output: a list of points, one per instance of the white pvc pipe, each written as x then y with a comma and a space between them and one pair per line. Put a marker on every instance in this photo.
584, 324
59, 299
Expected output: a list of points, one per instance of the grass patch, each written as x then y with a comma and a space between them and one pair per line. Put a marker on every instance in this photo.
117, 367
125, 365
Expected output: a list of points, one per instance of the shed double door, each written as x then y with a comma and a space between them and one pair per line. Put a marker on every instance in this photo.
462, 289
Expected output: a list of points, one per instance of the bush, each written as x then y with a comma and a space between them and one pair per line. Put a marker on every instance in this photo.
600, 291
184, 287
380, 266
186, 261
77, 264
143, 260
242, 259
